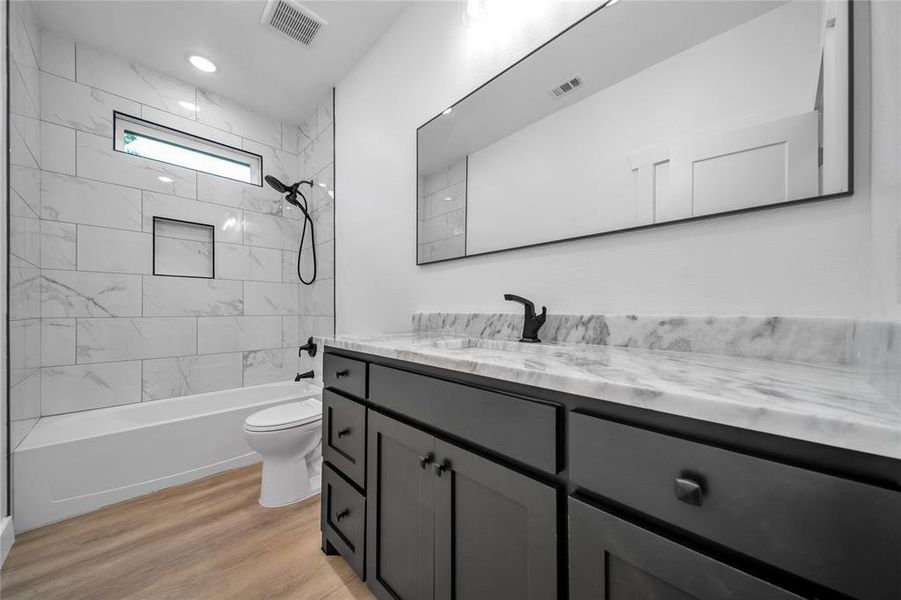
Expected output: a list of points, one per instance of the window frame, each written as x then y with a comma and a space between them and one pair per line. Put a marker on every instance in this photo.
175, 137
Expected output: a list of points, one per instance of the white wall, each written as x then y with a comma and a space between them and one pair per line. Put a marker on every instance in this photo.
573, 167
814, 259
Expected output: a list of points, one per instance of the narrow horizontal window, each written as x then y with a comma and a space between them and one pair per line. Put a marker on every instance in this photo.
156, 142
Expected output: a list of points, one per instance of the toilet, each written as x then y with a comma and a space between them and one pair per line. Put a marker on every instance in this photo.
287, 436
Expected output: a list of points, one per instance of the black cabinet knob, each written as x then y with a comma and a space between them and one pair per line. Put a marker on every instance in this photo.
689, 491
342, 515
441, 467
344, 432
342, 373
424, 461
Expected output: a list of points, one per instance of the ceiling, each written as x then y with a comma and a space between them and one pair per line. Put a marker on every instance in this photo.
608, 46
258, 67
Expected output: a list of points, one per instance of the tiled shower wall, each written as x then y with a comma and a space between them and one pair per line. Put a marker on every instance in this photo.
441, 214
97, 327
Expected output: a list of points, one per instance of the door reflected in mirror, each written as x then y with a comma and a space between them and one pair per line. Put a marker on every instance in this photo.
643, 113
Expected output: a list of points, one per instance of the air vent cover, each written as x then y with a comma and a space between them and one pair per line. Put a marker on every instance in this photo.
293, 20
567, 86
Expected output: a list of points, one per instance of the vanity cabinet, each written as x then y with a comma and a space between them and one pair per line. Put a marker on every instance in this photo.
613, 559
446, 485
446, 523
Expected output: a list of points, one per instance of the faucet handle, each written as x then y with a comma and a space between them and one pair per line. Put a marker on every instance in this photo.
543, 316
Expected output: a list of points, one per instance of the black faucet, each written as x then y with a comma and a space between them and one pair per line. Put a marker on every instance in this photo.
307, 375
531, 322
309, 347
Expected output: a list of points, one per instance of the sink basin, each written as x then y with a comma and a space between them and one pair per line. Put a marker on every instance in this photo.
494, 346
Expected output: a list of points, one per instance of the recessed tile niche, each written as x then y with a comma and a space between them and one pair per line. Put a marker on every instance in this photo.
183, 248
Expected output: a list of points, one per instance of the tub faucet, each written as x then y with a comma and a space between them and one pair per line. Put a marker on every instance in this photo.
531, 322
307, 375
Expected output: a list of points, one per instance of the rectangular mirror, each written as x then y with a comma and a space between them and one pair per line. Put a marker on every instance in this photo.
642, 113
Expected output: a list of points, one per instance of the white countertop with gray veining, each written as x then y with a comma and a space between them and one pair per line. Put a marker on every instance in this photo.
831, 405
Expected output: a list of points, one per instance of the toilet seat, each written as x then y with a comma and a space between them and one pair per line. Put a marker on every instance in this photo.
285, 416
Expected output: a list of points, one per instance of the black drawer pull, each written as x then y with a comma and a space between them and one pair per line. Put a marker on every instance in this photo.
342, 373
342, 515
689, 491
424, 461
441, 467
343, 432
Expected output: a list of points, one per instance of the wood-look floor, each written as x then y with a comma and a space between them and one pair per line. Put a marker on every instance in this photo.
205, 539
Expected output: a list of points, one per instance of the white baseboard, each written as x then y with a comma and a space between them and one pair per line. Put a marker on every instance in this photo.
7, 537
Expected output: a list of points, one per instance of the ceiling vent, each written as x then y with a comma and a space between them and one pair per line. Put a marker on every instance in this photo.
293, 20
567, 86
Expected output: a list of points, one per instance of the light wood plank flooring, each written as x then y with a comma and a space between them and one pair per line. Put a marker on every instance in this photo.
205, 539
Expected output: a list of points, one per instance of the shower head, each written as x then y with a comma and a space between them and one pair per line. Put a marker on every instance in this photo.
277, 185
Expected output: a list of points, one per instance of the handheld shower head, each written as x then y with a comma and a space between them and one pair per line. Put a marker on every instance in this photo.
277, 185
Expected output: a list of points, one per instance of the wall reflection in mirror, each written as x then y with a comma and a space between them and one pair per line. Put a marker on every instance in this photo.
645, 112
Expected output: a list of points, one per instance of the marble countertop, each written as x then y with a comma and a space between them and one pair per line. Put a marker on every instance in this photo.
831, 405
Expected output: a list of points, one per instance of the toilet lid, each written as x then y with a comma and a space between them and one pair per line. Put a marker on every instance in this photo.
285, 416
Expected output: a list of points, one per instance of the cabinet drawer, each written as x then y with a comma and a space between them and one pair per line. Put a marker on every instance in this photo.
343, 518
344, 374
522, 429
344, 436
836, 532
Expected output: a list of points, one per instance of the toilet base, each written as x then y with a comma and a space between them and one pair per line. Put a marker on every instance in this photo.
286, 481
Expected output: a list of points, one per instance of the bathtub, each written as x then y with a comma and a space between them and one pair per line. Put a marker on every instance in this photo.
72, 464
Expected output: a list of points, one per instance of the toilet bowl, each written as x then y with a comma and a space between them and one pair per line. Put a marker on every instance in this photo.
287, 436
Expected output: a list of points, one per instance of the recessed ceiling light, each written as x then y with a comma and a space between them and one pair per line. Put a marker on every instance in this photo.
188, 105
202, 63
165, 179
447, 110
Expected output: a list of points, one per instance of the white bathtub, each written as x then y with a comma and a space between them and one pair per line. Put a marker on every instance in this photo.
72, 464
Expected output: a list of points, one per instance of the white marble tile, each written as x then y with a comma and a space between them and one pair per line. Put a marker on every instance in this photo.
296, 330
440, 250
25, 396
323, 191
24, 94
270, 298
234, 334
58, 245
324, 223
57, 342
81, 107
317, 155
57, 54
24, 141
270, 231
230, 116
24, 290
266, 366
26, 183
185, 296
318, 299
86, 387
22, 28
86, 294
189, 125
184, 375
58, 148
107, 340
77, 200
97, 160
183, 258
324, 112
239, 195
251, 263
325, 263
227, 221
450, 198
281, 164
308, 130
25, 344
119, 76
114, 250
25, 239
19, 429
290, 138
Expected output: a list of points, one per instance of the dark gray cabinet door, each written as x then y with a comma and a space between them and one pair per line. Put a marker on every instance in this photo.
400, 510
495, 530
613, 559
